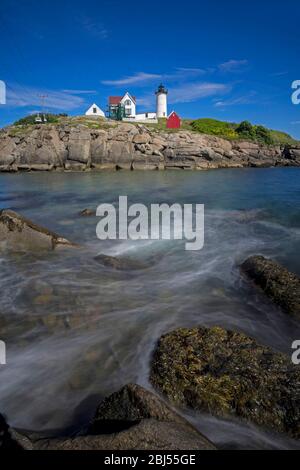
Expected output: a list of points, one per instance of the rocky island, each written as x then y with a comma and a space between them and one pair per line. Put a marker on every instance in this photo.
84, 145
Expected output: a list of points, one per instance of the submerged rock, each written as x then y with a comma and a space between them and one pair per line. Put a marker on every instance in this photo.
282, 286
18, 232
228, 373
132, 418
120, 264
87, 213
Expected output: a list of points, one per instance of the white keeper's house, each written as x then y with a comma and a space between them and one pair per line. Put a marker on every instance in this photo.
94, 110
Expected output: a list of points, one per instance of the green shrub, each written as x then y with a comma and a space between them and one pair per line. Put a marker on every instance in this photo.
214, 127
257, 133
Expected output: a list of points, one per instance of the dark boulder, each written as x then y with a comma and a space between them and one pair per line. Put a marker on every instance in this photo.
282, 286
130, 405
228, 373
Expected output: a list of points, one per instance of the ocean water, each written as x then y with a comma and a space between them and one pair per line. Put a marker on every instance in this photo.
76, 331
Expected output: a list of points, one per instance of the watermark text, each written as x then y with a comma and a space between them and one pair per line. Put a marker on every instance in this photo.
2, 92
2, 353
160, 222
296, 93
296, 353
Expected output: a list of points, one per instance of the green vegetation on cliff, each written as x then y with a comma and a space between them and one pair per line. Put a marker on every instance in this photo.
245, 131
227, 130
214, 127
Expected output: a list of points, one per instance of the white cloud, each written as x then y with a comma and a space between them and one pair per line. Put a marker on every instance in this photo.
180, 73
240, 100
80, 92
94, 28
133, 79
233, 65
188, 71
22, 96
279, 74
194, 91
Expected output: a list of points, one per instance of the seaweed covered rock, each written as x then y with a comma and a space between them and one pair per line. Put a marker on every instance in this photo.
17, 232
282, 286
228, 373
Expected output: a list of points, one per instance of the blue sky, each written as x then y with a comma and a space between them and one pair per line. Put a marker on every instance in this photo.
230, 60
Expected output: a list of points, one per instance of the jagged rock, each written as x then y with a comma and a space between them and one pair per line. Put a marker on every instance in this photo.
294, 153
227, 373
120, 264
79, 145
129, 405
246, 145
7, 152
282, 286
133, 418
141, 138
99, 151
17, 232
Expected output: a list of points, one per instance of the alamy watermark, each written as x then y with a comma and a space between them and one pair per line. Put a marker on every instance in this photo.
2, 92
2, 353
160, 222
296, 353
296, 94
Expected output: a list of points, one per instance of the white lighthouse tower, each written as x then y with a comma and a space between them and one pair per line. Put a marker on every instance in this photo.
161, 102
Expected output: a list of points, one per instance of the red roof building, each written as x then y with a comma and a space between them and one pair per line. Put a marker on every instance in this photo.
115, 100
173, 121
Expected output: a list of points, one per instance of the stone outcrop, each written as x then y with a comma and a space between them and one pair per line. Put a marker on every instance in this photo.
76, 147
228, 374
17, 232
132, 418
282, 286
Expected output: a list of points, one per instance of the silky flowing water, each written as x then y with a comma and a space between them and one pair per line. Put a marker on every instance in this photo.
76, 331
